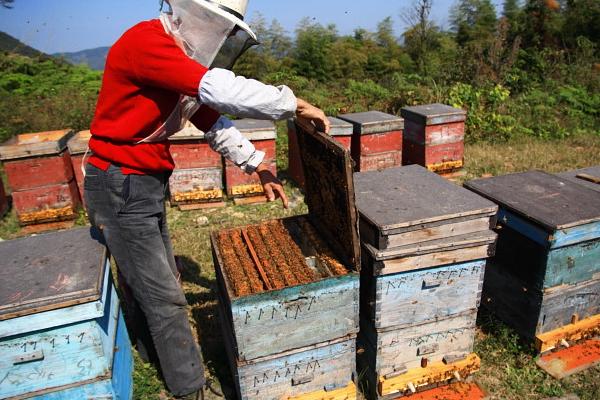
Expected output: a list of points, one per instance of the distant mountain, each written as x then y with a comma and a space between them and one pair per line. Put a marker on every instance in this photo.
10, 44
94, 58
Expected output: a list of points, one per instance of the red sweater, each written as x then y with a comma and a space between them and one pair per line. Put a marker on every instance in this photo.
144, 75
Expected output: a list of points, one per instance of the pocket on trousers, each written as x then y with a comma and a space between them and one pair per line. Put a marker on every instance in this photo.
93, 179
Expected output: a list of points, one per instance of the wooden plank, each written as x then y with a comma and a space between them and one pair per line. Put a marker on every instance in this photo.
530, 311
549, 201
434, 373
244, 201
201, 206
399, 349
46, 227
589, 178
583, 329
411, 298
446, 257
372, 122
568, 361
329, 192
50, 271
592, 171
261, 271
401, 197
434, 114
347, 393
27, 145
432, 246
64, 355
454, 391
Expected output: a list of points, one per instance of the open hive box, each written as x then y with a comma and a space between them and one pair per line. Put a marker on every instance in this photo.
289, 289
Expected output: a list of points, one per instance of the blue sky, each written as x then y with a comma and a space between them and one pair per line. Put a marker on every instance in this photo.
71, 25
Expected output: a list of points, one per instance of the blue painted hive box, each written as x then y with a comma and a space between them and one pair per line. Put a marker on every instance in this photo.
61, 331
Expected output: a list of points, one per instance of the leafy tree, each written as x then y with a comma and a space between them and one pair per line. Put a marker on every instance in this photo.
313, 48
422, 36
582, 18
542, 23
473, 21
510, 11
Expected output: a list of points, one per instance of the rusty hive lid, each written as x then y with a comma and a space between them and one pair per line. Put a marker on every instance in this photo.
329, 192
256, 129
434, 114
189, 132
549, 201
50, 271
78, 144
372, 122
581, 177
35, 144
408, 196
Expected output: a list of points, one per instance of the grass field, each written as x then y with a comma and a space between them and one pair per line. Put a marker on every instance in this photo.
508, 368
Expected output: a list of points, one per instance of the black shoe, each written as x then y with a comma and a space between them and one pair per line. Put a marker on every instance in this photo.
198, 395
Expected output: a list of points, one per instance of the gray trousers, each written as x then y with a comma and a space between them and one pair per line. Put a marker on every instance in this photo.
130, 212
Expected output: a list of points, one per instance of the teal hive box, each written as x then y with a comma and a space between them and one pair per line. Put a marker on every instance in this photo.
62, 334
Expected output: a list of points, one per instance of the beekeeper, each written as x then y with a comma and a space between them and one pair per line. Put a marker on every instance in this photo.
158, 75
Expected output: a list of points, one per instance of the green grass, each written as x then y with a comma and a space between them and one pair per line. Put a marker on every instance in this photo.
508, 365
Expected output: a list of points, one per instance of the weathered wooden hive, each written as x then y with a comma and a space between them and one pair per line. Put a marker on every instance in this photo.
289, 289
376, 141
197, 181
546, 275
434, 137
78, 146
341, 131
244, 188
40, 176
62, 335
425, 244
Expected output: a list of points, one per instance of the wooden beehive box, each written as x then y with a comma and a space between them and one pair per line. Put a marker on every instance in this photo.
60, 317
377, 140
303, 301
588, 177
555, 222
434, 136
40, 175
340, 130
78, 146
239, 184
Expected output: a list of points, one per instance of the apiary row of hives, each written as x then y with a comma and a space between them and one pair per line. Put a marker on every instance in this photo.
545, 281
62, 332
425, 246
289, 289
431, 136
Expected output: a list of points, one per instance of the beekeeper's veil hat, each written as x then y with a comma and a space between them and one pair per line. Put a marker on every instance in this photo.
212, 32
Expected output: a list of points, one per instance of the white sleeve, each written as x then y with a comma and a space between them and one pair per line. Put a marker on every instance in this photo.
223, 91
227, 140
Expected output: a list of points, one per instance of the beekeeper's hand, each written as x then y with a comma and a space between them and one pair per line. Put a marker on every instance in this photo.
272, 186
311, 113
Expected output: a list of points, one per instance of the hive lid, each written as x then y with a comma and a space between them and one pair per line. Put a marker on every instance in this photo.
329, 192
189, 132
78, 144
407, 196
50, 271
591, 172
434, 114
35, 144
371, 122
547, 200
256, 129
340, 127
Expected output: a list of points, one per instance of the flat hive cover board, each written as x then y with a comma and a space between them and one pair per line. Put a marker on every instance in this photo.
552, 202
433, 114
50, 271
329, 192
591, 172
370, 122
412, 196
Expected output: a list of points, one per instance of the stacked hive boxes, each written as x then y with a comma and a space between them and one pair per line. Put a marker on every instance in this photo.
340, 130
547, 275
434, 137
62, 335
78, 146
376, 141
425, 244
40, 176
197, 181
289, 289
244, 188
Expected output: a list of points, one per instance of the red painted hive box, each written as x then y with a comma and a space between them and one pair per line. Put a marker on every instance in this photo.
434, 137
377, 140
40, 176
